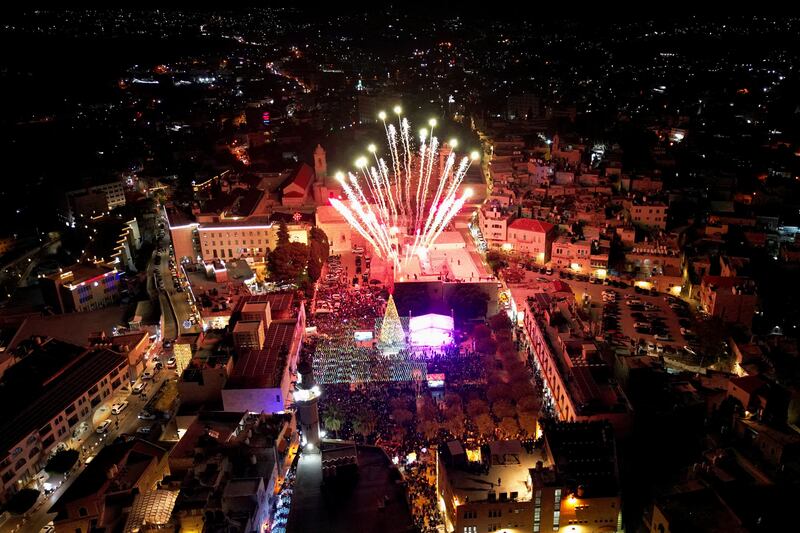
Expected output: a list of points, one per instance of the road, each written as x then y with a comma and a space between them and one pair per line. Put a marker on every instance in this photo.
175, 304
126, 423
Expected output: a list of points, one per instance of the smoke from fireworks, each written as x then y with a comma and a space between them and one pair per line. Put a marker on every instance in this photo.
401, 206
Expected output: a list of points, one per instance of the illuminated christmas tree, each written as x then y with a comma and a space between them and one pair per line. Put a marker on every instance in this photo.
392, 337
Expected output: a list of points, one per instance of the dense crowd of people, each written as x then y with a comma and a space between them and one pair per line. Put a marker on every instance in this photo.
382, 398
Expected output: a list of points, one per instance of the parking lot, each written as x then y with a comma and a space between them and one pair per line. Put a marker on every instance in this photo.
629, 307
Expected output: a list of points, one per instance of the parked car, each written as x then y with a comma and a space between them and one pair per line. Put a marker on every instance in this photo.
117, 408
139, 388
144, 430
662, 337
146, 415
102, 428
147, 375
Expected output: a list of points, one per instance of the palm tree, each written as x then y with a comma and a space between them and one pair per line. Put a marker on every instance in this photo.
332, 418
364, 425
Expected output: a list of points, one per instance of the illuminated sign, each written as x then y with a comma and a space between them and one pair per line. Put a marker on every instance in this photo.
435, 381
363, 336
265, 118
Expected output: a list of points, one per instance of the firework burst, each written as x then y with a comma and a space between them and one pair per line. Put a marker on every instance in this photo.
401, 206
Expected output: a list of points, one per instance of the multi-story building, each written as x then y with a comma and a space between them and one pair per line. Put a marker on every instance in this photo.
577, 379
486, 489
580, 491
70, 385
532, 237
124, 468
733, 299
660, 265
571, 485
262, 377
81, 287
238, 487
650, 214
493, 223
213, 237
96, 200
569, 252
248, 335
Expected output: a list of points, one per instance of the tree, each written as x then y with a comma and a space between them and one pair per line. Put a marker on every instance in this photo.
62, 461
506, 348
498, 392
484, 424
521, 389
319, 249
500, 321
527, 423
477, 407
481, 331
496, 260
288, 262
486, 345
509, 427
332, 418
455, 426
283, 234
428, 429
402, 416
392, 335
22, 501
468, 301
364, 424
452, 399
503, 408
426, 409
528, 404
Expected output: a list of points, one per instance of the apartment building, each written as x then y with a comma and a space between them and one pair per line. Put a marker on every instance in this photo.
645, 213
570, 485
569, 252
733, 299
533, 238
578, 381
70, 384
493, 223
81, 287
93, 201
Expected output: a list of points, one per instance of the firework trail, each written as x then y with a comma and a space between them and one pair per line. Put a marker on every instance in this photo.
401, 207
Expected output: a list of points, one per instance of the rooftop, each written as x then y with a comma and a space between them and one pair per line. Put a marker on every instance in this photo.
128, 458
505, 470
80, 273
345, 507
260, 368
529, 224
584, 453
45, 382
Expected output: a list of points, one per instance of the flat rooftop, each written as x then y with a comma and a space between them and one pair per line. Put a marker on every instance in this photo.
509, 462
260, 368
80, 273
345, 507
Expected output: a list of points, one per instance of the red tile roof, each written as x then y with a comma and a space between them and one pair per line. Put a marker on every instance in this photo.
529, 224
302, 178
